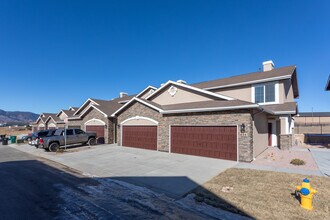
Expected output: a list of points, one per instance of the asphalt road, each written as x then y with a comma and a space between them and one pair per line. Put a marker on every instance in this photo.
26, 185
36, 188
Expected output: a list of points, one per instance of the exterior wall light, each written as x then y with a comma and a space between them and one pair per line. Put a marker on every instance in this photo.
243, 128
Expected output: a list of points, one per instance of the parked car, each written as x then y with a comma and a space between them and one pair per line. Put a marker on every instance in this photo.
27, 137
35, 137
64, 137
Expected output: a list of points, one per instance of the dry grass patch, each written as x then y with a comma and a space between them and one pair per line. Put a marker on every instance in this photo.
9, 132
264, 194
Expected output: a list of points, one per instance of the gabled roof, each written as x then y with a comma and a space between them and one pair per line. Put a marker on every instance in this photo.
124, 99
69, 113
43, 117
135, 99
89, 100
107, 108
55, 118
73, 108
204, 106
143, 92
201, 91
288, 72
327, 87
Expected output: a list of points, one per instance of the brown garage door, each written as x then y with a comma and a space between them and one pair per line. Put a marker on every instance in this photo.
144, 137
99, 130
206, 141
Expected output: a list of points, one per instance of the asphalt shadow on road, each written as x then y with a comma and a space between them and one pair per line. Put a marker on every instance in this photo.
41, 189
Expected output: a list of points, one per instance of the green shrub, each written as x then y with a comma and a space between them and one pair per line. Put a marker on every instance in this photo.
297, 162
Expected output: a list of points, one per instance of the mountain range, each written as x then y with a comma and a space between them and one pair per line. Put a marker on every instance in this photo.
9, 117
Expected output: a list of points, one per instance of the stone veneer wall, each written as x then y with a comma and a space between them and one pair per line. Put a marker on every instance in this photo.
285, 141
109, 130
221, 118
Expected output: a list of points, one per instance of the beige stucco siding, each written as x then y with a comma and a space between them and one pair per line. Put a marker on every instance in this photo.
241, 93
285, 91
62, 116
147, 93
260, 134
180, 96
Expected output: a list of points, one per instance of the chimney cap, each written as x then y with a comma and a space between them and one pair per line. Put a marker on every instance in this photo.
123, 94
181, 81
268, 65
268, 62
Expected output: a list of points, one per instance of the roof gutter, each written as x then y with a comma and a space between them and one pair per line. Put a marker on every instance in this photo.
209, 109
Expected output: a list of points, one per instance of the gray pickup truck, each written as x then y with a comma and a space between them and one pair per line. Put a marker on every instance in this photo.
64, 137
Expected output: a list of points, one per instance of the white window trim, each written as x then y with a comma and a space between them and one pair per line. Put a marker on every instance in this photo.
138, 118
277, 95
94, 119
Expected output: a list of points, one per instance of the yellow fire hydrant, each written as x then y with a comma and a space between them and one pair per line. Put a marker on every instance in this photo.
306, 193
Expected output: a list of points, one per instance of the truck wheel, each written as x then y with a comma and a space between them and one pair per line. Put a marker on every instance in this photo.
91, 141
54, 147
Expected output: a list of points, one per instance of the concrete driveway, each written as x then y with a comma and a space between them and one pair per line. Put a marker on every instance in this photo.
322, 159
172, 174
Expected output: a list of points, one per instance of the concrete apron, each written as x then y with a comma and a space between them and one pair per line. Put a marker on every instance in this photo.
172, 174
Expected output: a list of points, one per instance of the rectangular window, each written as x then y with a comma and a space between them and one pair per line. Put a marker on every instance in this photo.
264, 93
259, 94
270, 93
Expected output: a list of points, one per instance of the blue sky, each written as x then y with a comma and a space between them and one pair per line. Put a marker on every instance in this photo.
56, 54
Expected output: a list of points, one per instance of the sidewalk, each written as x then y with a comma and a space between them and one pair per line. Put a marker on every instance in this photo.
322, 158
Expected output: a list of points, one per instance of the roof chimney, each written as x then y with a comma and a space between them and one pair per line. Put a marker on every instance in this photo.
268, 65
122, 94
181, 81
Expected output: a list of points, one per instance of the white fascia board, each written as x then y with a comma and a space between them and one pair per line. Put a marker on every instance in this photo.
250, 82
138, 100
49, 117
58, 114
210, 109
73, 118
123, 102
92, 106
88, 100
147, 104
149, 87
38, 119
285, 112
192, 88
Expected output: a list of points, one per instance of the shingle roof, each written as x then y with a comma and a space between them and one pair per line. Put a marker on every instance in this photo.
281, 108
108, 107
249, 77
124, 99
68, 112
207, 104
55, 118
